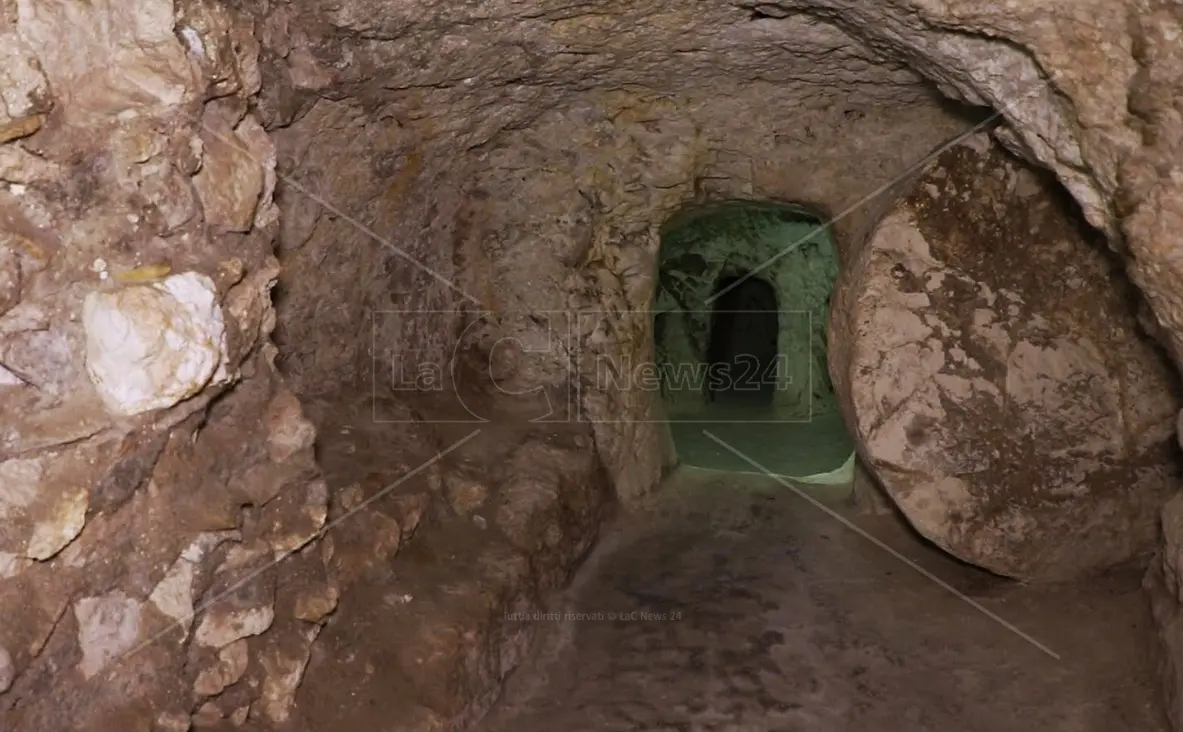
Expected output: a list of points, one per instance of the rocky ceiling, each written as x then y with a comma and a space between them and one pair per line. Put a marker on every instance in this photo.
503, 64
278, 185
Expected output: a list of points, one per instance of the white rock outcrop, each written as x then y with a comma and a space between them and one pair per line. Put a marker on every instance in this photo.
150, 346
6, 670
108, 627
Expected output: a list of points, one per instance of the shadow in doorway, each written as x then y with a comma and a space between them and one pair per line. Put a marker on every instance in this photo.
742, 348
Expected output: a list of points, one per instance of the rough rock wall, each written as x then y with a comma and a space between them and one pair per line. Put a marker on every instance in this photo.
369, 229
1148, 205
1085, 89
1165, 586
150, 458
477, 74
663, 149
1001, 389
445, 552
1093, 104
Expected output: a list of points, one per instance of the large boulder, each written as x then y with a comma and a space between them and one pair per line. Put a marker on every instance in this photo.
1002, 390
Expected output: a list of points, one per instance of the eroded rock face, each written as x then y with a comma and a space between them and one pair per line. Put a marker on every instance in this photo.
1164, 582
151, 346
133, 290
439, 161
1002, 390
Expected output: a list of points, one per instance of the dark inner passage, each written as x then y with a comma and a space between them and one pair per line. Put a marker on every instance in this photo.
741, 310
743, 342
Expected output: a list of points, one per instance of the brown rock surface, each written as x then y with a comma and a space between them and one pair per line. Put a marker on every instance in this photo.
362, 180
999, 381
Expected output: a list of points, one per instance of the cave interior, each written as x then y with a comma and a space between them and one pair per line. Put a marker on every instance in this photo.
306, 312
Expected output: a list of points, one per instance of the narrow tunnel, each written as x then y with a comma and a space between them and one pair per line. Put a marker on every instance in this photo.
742, 351
435, 366
744, 290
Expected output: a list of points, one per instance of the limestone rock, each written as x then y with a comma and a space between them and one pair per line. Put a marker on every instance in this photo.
177, 205
123, 61
285, 670
315, 604
222, 626
249, 303
1164, 583
223, 49
69, 422
408, 511
7, 670
108, 627
305, 589
295, 517
151, 346
232, 177
465, 492
24, 89
21, 480
546, 508
377, 539
297, 223
135, 457
262, 149
241, 600
43, 503
10, 279
172, 722
173, 594
62, 526
262, 482
229, 668
537, 181
12, 565
1000, 386
207, 715
43, 358
20, 128
7, 378
288, 431
528, 513
26, 316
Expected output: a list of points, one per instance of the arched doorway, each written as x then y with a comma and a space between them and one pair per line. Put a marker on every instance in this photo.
741, 309
742, 350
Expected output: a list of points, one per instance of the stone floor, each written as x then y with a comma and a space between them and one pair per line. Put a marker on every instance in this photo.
741, 606
439, 528
777, 445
